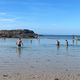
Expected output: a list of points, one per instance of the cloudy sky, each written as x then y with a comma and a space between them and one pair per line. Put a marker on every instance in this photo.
42, 16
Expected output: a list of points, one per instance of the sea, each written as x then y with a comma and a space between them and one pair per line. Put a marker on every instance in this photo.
40, 54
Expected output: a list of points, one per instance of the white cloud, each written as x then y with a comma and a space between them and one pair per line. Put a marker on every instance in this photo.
7, 19
53, 24
3, 13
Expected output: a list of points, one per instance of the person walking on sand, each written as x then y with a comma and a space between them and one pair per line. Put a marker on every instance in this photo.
19, 42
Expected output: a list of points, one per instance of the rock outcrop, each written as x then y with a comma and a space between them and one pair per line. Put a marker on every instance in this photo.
23, 33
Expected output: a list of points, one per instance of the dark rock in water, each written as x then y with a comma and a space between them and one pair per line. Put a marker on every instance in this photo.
56, 79
23, 33
5, 75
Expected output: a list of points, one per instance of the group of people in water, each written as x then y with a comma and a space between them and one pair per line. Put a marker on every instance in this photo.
74, 38
58, 43
19, 42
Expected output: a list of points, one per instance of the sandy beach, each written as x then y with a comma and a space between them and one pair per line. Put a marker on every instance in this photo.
39, 75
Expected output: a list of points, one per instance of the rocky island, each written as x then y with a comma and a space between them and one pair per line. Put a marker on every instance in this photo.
23, 33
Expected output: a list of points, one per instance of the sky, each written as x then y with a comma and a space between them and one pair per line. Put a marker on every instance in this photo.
55, 17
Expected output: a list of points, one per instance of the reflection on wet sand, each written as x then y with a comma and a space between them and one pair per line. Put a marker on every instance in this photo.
18, 51
31, 41
73, 42
58, 47
66, 48
38, 40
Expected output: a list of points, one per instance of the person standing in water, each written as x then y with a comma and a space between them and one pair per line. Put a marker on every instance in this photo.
58, 43
76, 39
66, 43
73, 38
19, 42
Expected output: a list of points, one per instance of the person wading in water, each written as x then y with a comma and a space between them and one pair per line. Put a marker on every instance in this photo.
19, 42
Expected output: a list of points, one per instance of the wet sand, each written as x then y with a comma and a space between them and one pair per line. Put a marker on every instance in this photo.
39, 76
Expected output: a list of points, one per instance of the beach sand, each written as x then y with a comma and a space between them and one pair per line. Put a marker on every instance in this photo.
39, 76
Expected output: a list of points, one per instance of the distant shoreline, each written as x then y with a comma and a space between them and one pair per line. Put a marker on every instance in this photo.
18, 33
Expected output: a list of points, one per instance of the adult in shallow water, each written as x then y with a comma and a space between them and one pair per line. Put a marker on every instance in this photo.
58, 43
19, 42
66, 43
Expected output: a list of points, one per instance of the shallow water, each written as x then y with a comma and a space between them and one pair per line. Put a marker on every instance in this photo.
39, 55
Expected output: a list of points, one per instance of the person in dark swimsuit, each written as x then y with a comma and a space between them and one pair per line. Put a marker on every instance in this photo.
66, 43
58, 43
19, 42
